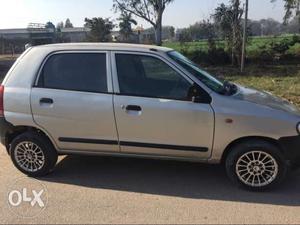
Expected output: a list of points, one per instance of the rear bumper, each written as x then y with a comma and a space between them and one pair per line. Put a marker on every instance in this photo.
291, 147
5, 129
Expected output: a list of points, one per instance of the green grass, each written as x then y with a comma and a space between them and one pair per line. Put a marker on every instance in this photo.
285, 87
281, 80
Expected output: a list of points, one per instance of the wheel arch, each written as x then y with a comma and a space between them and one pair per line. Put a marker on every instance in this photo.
246, 139
18, 130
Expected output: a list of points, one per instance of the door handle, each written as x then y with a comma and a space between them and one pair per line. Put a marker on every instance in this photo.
133, 108
48, 101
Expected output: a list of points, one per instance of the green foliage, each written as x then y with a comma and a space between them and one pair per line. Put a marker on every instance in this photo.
149, 10
275, 49
216, 56
60, 25
281, 80
295, 50
185, 36
287, 87
100, 29
50, 25
229, 21
68, 24
260, 50
172, 32
201, 30
125, 25
281, 47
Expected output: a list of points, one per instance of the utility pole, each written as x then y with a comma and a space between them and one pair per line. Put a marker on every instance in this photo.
244, 37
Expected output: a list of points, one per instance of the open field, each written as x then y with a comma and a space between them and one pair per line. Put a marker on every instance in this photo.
286, 87
281, 80
255, 44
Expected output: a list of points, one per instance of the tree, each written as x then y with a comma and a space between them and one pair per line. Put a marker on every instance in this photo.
50, 25
68, 24
185, 36
172, 32
245, 33
270, 27
292, 7
149, 10
293, 26
229, 21
100, 29
125, 25
202, 30
60, 25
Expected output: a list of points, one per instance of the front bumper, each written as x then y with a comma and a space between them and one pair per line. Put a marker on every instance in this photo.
291, 149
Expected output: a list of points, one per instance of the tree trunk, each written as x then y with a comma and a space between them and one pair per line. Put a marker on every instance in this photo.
244, 38
158, 30
235, 30
158, 34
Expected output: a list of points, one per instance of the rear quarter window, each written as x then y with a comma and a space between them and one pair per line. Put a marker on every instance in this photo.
84, 72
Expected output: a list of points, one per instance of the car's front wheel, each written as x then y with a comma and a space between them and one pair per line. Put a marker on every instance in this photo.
33, 154
256, 165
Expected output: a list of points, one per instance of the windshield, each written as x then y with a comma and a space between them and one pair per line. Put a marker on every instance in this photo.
207, 79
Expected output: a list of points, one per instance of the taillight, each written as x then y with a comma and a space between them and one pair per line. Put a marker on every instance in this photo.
1, 100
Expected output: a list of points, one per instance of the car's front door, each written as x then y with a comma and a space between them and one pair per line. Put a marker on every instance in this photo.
72, 101
153, 113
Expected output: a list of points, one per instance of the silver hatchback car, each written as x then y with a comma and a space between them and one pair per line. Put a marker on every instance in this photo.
142, 101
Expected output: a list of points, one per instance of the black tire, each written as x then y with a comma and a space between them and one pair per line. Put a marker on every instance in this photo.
240, 150
46, 147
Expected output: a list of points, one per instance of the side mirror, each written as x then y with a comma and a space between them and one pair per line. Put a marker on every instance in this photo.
198, 95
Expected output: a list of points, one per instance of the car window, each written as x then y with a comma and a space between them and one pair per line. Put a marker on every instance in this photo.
210, 81
75, 71
147, 76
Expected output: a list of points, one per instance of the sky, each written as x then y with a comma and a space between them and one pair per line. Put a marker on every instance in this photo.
181, 13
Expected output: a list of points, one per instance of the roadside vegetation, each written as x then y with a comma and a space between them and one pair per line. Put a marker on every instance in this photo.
281, 80
286, 87
283, 49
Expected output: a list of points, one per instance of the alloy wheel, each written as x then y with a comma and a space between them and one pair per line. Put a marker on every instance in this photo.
29, 156
257, 169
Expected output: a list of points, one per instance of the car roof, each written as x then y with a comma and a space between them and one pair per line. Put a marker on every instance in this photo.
104, 46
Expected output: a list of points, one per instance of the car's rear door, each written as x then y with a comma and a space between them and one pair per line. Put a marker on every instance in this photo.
72, 101
153, 114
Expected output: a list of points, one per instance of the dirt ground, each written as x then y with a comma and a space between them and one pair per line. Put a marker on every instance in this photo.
92, 190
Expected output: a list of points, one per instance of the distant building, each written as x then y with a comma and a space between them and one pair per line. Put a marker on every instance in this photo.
14, 40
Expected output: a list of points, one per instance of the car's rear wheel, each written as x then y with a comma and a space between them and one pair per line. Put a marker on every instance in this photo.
33, 154
256, 165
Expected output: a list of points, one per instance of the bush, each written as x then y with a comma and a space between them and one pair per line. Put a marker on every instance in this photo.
295, 50
216, 56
